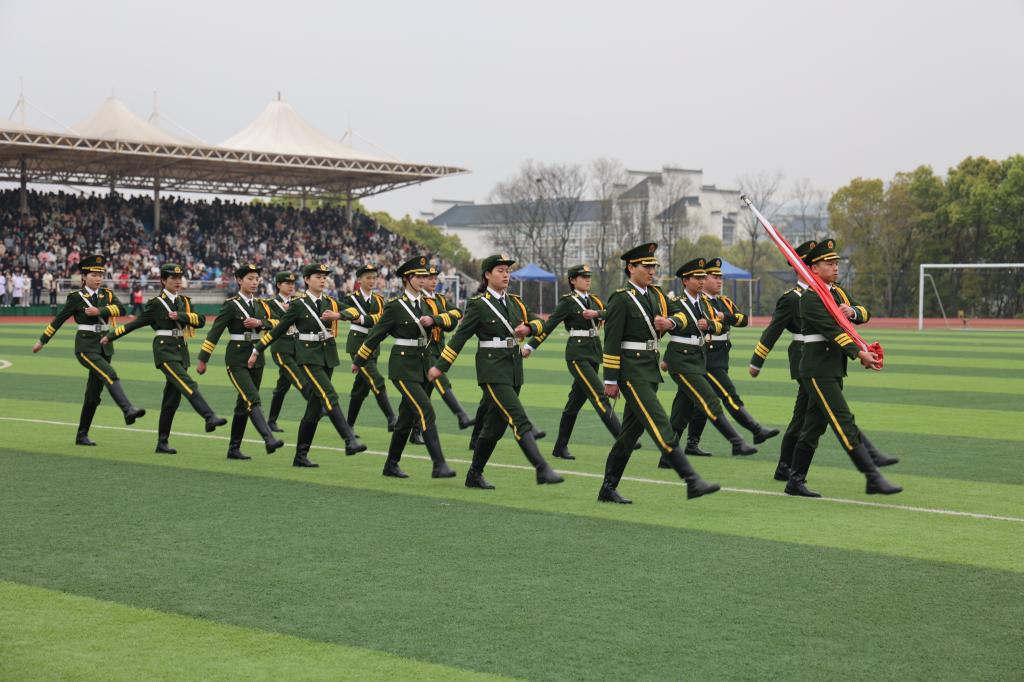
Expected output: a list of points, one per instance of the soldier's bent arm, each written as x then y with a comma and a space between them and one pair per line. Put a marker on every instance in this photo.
286, 320
143, 320
733, 317
817, 318
377, 334
781, 317
466, 329
564, 309
614, 326
113, 309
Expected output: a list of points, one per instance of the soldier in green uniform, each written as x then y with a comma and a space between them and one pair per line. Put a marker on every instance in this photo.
94, 308
718, 346
826, 350
283, 349
692, 320
497, 318
637, 317
408, 319
446, 317
364, 307
315, 316
172, 319
583, 314
243, 317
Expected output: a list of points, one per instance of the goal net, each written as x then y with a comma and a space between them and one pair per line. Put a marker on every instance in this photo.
971, 295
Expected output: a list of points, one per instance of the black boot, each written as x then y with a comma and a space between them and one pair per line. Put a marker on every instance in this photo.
163, 447
545, 474
270, 441
747, 421
352, 444
391, 468
304, 438
538, 434
614, 426
877, 456
693, 433
131, 413
739, 446
786, 456
433, 443
876, 483
695, 485
276, 403
385, 407
416, 437
84, 422
482, 453
478, 425
796, 484
782, 471
237, 431
164, 433
456, 407
565, 426
354, 406
200, 405
613, 468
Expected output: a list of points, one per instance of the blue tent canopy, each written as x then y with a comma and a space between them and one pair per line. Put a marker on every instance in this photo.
532, 272
730, 271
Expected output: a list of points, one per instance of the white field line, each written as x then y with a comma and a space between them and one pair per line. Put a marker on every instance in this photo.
4, 364
581, 474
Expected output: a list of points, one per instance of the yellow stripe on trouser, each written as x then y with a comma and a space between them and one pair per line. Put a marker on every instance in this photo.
323, 394
583, 378
184, 386
98, 370
696, 393
721, 388
248, 404
511, 421
654, 427
369, 380
408, 395
835, 422
295, 379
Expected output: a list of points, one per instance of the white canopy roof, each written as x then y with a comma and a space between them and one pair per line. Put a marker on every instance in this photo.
280, 130
8, 124
114, 121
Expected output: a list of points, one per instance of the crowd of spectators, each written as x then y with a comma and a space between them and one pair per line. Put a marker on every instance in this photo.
40, 250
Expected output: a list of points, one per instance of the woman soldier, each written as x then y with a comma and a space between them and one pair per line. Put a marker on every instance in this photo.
283, 350
94, 309
446, 317
172, 320
243, 316
583, 314
315, 315
497, 318
405, 318
364, 307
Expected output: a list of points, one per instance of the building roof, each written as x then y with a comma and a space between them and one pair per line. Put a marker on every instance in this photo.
486, 215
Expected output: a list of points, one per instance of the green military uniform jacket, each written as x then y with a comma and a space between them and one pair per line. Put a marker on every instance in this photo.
828, 358
687, 358
156, 315
407, 362
446, 317
302, 314
718, 350
231, 317
624, 322
570, 311
74, 307
493, 365
355, 304
274, 310
785, 317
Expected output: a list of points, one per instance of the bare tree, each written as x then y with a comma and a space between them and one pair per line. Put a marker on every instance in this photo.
668, 199
811, 204
562, 188
607, 180
763, 190
518, 213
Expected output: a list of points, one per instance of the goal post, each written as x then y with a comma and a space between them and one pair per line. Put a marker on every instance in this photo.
949, 266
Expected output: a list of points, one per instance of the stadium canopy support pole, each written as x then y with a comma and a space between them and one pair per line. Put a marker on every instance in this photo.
24, 185
348, 207
156, 204
302, 200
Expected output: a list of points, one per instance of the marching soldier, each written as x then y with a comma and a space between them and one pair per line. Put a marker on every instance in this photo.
582, 313
283, 349
94, 308
315, 316
718, 346
446, 317
692, 320
637, 317
172, 320
497, 318
407, 319
826, 350
243, 316
364, 307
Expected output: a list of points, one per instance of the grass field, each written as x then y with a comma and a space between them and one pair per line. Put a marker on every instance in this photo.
117, 563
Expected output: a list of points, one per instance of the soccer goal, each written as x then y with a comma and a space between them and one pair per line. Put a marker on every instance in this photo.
924, 274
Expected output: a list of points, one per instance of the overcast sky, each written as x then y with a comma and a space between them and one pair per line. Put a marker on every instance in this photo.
826, 91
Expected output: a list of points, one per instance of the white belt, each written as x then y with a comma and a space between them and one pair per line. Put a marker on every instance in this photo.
419, 343
498, 343
318, 336
359, 328
247, 336
93, 327
169, 332
639, 345
688, 340
718, 337
582, 332
799, 337
812, 338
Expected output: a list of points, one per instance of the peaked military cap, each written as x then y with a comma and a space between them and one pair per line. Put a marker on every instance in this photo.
284, 277
692, 268
244, 269
414, 266
494, 261
823, 250
171, 270
93, 263
641, 255
315, 269
433, 271
713, 267
804, 249
363, 269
